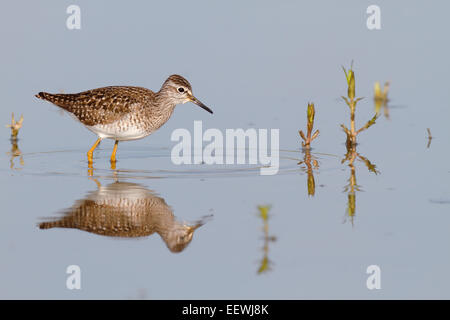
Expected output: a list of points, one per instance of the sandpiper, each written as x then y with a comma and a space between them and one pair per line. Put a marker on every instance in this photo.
123, 112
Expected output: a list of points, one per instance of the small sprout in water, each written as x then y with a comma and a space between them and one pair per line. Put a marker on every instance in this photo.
310, 164
265, 264
351, 101
264, 212
352, 187
309, 137
430, 137
381, 95
15, 126
380, 98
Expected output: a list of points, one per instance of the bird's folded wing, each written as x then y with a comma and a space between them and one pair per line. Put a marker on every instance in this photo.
98, 106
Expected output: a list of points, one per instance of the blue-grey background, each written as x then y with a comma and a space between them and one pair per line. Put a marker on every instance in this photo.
256, 64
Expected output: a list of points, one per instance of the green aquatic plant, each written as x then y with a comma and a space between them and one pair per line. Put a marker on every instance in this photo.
310, 136
352, 101
15, 126
310, 165
352, 187
14, 153
265, 264
380, 98
264, 212
430, 137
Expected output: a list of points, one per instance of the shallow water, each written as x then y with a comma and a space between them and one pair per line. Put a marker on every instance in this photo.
258, 66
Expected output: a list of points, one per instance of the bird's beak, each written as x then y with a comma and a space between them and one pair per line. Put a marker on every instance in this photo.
191, 229
200, 104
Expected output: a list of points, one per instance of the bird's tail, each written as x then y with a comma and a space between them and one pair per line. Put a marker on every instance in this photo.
45, 96
64, 101
54, 224
47, 225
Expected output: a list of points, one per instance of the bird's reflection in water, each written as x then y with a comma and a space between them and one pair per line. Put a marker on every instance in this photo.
126, 210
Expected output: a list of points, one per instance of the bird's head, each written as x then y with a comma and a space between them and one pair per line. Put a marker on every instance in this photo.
180, 237
179, 90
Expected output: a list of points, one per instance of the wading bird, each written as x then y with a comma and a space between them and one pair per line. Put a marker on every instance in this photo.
124, 113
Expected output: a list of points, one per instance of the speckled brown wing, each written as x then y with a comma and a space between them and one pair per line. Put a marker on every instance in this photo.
107, 220
99, 106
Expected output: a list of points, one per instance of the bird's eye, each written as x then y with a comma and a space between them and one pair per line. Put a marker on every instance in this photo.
181, 90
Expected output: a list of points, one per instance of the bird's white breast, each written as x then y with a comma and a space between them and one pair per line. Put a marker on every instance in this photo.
127, 128
115, 132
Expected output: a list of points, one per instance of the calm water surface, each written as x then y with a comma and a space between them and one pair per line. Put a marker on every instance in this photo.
151, 229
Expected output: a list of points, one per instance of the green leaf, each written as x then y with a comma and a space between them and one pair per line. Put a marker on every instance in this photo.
302, 135
351, 84
264, 212
346, 100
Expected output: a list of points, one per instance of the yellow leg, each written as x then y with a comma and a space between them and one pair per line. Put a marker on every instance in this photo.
113, 155
90, 169
91, 150
96, 182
